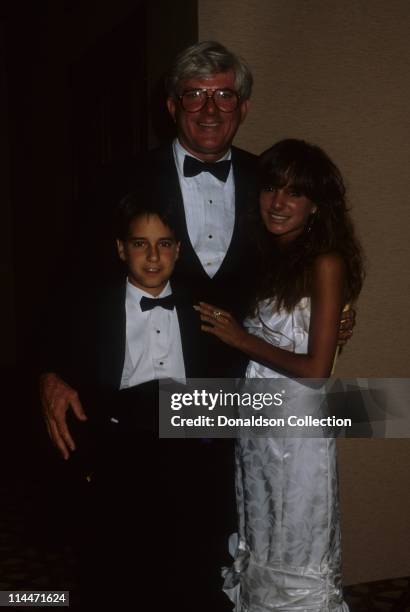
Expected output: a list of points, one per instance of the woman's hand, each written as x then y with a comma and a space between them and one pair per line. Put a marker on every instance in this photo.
222, 324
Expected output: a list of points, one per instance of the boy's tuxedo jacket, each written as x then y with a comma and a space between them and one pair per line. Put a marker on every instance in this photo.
150, 497
91, 355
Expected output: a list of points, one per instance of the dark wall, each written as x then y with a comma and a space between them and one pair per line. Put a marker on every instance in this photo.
7, 317
171, 26
82, 101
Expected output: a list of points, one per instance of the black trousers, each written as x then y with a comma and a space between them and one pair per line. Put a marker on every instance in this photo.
158, 517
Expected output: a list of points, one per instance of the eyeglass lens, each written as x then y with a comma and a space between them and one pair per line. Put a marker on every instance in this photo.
224, 99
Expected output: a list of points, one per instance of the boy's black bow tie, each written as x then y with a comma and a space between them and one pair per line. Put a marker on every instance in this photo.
220, 170
147, 303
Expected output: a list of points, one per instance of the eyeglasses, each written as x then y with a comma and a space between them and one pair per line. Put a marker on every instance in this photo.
193, 100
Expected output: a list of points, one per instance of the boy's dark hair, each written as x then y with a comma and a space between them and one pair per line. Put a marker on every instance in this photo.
137, 204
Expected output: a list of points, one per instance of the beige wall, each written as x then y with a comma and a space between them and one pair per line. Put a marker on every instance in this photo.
337, 74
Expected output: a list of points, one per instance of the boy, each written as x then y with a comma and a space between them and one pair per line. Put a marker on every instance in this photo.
125, 334
150, 500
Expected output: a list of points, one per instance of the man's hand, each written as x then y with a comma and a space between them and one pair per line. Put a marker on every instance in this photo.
56, 398
347, 323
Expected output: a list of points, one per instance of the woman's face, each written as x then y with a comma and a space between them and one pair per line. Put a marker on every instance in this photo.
285, 212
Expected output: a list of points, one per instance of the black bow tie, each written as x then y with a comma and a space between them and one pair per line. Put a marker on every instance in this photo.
220, 170
167, 302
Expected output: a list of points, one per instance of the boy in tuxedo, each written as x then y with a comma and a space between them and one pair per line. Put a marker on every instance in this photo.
148, 533
122, 335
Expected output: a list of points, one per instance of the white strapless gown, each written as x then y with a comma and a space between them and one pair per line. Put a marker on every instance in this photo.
287, 553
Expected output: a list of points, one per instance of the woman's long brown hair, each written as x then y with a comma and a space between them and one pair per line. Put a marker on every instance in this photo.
285, 271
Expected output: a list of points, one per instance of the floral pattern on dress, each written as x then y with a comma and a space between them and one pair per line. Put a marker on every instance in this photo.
287, 551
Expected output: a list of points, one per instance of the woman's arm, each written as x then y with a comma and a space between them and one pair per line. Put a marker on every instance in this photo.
328, 285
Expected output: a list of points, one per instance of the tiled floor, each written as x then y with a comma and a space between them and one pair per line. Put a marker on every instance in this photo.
383, 596
28, 560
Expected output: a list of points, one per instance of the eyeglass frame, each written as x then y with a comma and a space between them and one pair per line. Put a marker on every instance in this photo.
210, 97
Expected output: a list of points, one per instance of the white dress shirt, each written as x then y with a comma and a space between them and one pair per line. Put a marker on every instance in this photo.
209, 211
153, 341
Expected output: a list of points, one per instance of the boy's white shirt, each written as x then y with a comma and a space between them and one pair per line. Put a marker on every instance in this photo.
153, 341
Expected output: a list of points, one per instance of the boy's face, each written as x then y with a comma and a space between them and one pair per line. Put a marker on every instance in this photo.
150, 253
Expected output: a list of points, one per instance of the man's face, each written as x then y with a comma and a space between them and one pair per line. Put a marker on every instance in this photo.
209, 132
150, 253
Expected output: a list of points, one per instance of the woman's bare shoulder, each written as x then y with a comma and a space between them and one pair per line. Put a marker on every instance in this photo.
329, 263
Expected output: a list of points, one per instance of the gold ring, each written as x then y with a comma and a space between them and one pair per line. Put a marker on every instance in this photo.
216, 314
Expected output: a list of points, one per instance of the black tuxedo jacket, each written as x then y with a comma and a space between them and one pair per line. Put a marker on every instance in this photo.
147, 494
231, 285
90, 355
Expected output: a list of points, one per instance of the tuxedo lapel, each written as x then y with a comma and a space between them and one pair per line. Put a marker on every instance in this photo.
111, 336
244, 169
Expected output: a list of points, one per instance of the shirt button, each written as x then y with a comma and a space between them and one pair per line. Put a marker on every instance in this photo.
209, 236
161, 363
158, 331
210, 201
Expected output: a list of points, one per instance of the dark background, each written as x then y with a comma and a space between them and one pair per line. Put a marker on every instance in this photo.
81, 98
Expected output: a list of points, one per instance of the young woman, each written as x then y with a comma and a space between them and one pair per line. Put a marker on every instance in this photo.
311, 266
